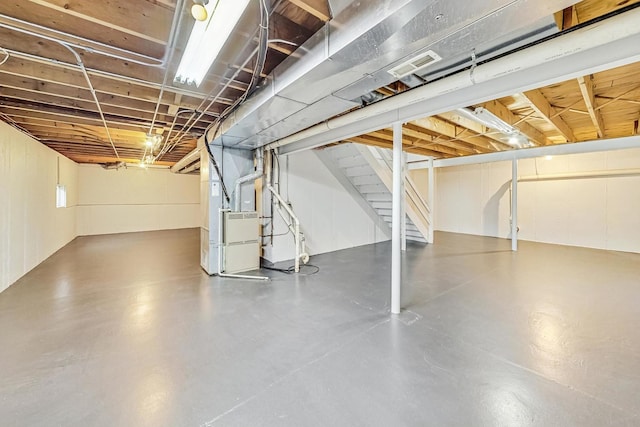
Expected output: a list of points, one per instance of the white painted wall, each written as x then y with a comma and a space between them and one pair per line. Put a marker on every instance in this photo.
599, 213
135, 199
330, 218
31, 227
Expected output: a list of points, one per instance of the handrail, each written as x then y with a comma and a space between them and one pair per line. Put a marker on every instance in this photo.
421, 206
298, 237
409, 181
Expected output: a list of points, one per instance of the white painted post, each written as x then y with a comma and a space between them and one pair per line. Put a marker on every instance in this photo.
431, 200
403, 204
514, 205
396, 244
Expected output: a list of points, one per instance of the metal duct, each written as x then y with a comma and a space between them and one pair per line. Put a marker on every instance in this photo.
186, 161
351, 56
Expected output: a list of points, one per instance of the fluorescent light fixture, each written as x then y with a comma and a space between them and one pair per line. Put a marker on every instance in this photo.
492, 121
207, 39
487, 118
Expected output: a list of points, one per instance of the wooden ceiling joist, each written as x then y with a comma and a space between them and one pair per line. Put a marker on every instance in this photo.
500, 110
377, 142
586, 87
449, 130
542, 106
317, 8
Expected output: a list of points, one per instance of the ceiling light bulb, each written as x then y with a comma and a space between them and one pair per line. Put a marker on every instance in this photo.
513, 140
199, 12
148, 143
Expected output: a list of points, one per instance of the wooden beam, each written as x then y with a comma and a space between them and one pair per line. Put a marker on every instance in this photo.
142, 19
484, 137
500, 110
77, 25
450, 130
427, 140
586, 88
411, 138
542, 106
74, 78
317, 8
81, 158
378, 142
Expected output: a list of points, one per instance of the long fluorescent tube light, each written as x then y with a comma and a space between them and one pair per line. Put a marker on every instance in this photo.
489, 119
207, 39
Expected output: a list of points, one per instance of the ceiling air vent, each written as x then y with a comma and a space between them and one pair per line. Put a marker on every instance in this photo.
414, 64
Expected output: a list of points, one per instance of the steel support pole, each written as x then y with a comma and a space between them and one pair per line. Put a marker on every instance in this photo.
396, 225
431, 200
403, 212
514, 205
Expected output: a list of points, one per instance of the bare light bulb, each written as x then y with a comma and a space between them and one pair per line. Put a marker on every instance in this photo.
199, 12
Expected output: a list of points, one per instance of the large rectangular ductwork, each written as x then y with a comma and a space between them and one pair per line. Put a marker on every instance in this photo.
338, 68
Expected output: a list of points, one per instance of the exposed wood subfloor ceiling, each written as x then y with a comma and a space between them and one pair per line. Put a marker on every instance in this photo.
44, 92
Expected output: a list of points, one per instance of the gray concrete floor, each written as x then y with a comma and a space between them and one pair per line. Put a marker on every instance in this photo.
126, 330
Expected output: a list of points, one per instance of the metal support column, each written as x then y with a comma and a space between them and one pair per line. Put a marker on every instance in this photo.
396, 223
514, 205
431, 200
403, 205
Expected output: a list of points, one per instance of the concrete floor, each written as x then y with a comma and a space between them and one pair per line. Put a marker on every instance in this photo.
126, 330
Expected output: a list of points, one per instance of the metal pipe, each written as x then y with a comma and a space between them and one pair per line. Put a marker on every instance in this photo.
396, 244
296, 225
165, 147
403, 205
221, 253
582, 175
248, 178
182, 131
431, 198
100, 73
93, 93
514, 205
193, 156
611, 144
191, 168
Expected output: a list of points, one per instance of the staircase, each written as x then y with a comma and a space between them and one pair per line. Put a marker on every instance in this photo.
366, 173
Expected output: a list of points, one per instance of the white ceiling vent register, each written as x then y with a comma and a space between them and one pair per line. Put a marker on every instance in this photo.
414, 64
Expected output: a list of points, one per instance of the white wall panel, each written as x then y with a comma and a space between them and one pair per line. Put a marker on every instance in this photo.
31, 227
595, 212
134, 199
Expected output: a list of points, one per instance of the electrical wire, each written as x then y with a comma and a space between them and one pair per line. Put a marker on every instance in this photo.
291, 270
259, 67
7, 55
93, 92
261, 50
